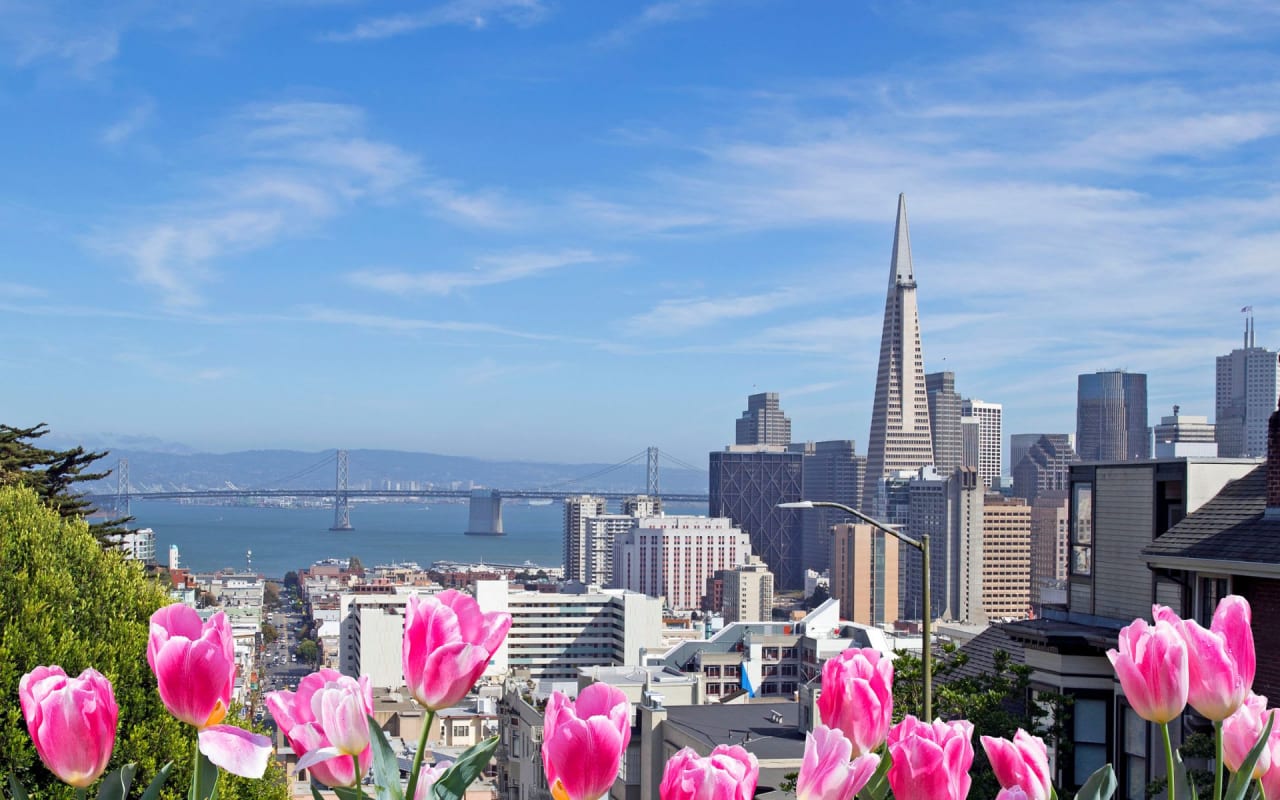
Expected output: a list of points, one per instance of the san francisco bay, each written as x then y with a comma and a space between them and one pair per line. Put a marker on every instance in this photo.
283, 539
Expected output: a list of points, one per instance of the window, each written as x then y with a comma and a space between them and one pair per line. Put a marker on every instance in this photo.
1135, 755
1089, 726
712, 671
460, 731
1082, 529
1211, 591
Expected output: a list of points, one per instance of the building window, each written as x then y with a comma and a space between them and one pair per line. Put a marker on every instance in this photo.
1135, 755
1082, 529
1212, 590
712, 671
713, 688
1089, 725
460, 731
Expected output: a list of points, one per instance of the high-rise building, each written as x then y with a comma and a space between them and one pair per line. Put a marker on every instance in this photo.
577, 554
990, 438
864, 574
1045, 468
944, 414
1185, 435
1247, 392
1006, 557
1111, 417
672, 556
139, 545
964, 545
926, 516
763, 422
748, 593
1019, 444
949, 511
901, 436
1049, 518
833, 472
746, 484
601, 532
970, 441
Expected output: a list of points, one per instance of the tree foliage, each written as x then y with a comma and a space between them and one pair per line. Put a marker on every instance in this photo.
308, 651
64, 600
53, 475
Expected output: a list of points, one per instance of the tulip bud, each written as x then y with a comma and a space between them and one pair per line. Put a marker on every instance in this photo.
72, 722
583, 742
729, 773
930, 761
857, 697
447, 644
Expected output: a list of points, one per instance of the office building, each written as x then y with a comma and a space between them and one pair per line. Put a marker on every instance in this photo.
970, 441
864, 574
1045, 468
672, 556
1019, 444
1248, 389
746, 484
1185, 435
372, 630
748, 593
1049, 517
964, 546
763, 422
901, 435
577, 553
1111, 417
990, 438
944, 416
926, 516
833, 472
139, 545
601, 532
1006, 557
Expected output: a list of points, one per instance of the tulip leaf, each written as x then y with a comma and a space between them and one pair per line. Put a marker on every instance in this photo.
877, 787
1240, 782
1100, 786
453, 783
116, 785
1185, 788
386, 769
16, 791
157, 783
208, 774
347, 793
315, 793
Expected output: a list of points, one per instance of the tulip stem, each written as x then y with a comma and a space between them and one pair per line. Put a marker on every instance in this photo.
1168, 754
195, 771
417, 757
80, 793
1217, 760
355, 761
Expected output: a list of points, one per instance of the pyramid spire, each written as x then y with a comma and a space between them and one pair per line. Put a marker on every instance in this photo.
900, 268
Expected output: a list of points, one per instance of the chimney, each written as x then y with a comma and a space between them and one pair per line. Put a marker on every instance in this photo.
1273, 466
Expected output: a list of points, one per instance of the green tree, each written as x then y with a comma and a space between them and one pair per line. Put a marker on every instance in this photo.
271, 595
269, 634
308, 651
66, 601
820, 595
291, 580
52, 474
355, 565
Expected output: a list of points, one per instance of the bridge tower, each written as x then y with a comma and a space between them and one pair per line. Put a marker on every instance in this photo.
341, 506
652, 473
122, 487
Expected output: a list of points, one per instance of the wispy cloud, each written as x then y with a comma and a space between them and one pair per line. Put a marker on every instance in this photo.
20, 291
653, 16
392, 323
130, 125
676, 317
466, 13
174, 368
487, 271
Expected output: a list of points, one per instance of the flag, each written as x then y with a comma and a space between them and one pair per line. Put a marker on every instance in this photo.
1247, 310
744, 681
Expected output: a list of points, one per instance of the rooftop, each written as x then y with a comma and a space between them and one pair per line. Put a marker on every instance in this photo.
769, 730
1231, 527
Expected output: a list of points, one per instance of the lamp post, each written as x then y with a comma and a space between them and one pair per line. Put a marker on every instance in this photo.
921, 544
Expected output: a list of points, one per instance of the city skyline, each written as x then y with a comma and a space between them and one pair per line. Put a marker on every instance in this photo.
326, 225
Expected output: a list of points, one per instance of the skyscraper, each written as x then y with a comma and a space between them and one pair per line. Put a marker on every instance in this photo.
944, 414
1184, 435
1006, 557
970, 442
747, 482
990, 438
1019, 445
577, 549
864, 574
832, 471
901, 436
1247, 392
763, 422
1111, 417
1045, 468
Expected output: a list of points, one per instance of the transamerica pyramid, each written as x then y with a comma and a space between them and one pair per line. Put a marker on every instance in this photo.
899, 437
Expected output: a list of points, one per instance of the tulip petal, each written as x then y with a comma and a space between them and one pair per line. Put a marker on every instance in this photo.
236, 750
316, 756
1233, 620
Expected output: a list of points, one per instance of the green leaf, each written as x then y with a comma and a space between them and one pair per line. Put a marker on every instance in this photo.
16, 792
877, 787
315, 793
116, 785
455, 780
208, 777
157, 783
1185, 789
347, 793
1100, 786
386, 769
1241, 780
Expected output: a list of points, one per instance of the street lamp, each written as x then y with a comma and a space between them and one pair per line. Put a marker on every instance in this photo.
921, 544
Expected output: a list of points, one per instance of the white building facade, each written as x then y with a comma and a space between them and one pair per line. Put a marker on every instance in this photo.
673, 556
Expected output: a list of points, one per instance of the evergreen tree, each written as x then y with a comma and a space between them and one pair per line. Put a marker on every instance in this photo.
52, 474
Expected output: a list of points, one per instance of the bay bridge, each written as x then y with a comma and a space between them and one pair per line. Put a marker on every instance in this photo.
485, 517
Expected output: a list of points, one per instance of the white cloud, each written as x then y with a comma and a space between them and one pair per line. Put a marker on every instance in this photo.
652, 16
465, 13
20, 291
487, 271
679, 316
130, 125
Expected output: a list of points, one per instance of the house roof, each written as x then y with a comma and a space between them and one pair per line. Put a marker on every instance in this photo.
1230, 528
769, 730
981, 651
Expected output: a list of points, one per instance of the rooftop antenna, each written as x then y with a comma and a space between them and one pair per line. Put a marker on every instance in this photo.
1248, 327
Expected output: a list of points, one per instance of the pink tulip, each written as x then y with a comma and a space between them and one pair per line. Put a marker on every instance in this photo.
1151, 664
319, 721
930, 761
729, 773
72, 721
1012, 793
194, 664
583, 742
1241, 731
1022, 763
447, 645
427, 778
1221, 661
857, 697
827, 773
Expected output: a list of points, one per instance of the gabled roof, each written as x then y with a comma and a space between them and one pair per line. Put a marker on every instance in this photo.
1230, 528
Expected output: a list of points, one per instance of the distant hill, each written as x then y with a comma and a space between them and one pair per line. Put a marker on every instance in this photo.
173, 470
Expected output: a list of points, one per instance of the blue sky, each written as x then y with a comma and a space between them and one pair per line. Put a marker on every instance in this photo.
568, 230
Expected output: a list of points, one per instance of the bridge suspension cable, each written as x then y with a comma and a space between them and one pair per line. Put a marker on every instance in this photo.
643, 454
680, 463
301, 473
